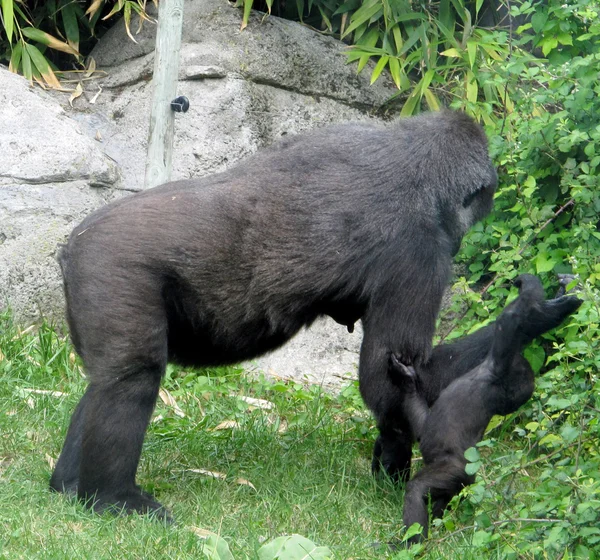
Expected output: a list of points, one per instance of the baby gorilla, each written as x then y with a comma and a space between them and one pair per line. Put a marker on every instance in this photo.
458, 418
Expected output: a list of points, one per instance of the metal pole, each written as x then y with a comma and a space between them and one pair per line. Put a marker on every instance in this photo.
164, 81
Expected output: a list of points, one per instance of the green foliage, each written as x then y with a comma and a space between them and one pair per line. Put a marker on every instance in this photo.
433, 51
545, 221
36, 35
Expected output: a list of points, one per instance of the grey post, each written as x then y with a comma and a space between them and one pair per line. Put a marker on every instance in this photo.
164, 80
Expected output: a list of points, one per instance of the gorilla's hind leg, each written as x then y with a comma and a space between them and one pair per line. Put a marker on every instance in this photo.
65, 477
117, 413
438, 482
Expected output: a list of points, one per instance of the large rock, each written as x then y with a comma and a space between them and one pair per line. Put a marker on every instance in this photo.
246, 89
51, 176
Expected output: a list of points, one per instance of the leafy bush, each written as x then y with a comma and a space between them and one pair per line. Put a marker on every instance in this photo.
36, 35
545, 221
434, 51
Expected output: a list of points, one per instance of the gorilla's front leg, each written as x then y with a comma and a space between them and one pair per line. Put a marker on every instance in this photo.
393, 448
392, 453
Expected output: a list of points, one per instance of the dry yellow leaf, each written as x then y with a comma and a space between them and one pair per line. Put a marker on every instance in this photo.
213, 474
76, 93
244, 482
227, 425
168, 399
258, 403
50, 460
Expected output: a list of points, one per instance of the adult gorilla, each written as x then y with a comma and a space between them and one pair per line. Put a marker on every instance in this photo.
355, 222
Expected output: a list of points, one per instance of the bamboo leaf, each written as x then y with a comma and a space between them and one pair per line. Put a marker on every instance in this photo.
69, 17
115, 10
411, 16
397, 37
127, 20
27, 68
395, 71
426, 81
42, 66
363, 15
493, 53
453, 53
445, 15
432, 100
472, 52
48, 40
300, 9
77, 92
472, 87
412, 39
8, 16
411, 103
246, 16
15, 57
381, 64
362, 62
94, 7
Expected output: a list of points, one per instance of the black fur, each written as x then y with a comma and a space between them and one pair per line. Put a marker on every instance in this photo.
393, 448
354, 221
499, 384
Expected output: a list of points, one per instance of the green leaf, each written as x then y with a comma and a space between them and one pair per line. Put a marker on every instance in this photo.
472, 52
472, 455
8, 16
481, 538
49, 40
536, 356
246, 14
27, 67
15, 57
363, 15
411, 103
293, 547
538, 21
412, 39
472, 468
414, 529
42, 66
216, 548
472, 87
69, 17
544, 263
565, 39
381, 64
451, 53
395, 72
397, 37
432, 101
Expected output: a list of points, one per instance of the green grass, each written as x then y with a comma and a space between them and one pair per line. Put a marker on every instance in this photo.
307, 459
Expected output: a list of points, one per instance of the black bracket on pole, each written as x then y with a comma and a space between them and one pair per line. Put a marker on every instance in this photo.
180, 104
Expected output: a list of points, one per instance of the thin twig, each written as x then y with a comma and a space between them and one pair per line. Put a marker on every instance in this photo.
510, 52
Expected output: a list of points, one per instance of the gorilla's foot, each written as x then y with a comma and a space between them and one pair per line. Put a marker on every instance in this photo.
392, 458
127, 502
64, 486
